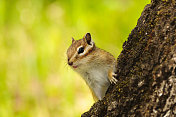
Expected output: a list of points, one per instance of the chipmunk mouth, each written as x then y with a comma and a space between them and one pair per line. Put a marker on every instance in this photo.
74, 66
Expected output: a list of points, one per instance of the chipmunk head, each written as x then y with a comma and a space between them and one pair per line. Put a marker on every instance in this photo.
79, 50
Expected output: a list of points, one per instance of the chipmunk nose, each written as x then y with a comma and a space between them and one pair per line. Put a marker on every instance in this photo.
70, 63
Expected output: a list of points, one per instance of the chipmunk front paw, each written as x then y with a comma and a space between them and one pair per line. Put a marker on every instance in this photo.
112, 77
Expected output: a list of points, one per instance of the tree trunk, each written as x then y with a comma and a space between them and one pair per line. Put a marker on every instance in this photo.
146, 68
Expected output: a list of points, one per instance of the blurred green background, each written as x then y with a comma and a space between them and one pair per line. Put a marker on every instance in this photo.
35, 80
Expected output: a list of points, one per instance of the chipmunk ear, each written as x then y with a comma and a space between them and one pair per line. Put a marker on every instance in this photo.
87, 38
73, 39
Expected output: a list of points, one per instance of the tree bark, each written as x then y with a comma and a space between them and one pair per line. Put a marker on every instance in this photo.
146, 68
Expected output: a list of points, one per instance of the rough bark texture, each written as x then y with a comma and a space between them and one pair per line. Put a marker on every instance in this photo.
146, 68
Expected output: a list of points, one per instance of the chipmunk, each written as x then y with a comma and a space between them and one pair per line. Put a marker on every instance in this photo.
96, 66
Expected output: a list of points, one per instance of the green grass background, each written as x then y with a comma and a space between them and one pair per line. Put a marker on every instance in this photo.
35, 80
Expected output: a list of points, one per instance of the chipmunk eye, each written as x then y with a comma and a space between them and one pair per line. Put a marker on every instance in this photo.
81, 50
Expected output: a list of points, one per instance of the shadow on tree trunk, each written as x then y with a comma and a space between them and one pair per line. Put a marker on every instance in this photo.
146, 68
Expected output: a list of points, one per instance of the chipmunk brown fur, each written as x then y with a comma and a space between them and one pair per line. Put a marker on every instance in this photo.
96, 66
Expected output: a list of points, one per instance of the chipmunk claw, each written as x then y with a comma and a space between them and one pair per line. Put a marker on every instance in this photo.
113, 79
